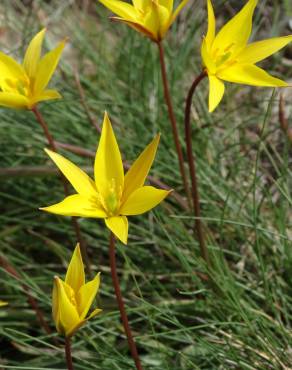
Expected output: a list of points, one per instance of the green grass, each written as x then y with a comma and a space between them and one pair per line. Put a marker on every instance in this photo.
180, 322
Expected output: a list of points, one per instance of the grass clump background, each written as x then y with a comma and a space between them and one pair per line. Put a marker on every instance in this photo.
244, 171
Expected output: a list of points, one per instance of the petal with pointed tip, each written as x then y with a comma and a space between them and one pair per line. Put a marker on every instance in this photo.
120, 8
139, 170
75, 276
46, 95
33, 53
260, 50
80, 181
211, 25
142, 200
77, 205
46, 68
13, 100
119, 227
237, 31
250, 75
86, 295
108, 165
216, 92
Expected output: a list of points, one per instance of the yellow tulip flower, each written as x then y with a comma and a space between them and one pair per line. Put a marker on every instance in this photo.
227, 56
150, 17
24, 85
112, 195
2, 303
73, 297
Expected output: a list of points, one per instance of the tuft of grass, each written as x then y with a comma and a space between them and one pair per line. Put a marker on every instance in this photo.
243, 158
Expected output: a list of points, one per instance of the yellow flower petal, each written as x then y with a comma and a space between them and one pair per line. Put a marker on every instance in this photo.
119, 226
216, 92
46, 95
13, 100
208, 62
80, 181
75, 276
2, 303
139, 170
10, 69
137, 26
151, 20
237, 31
168, 4
120, 8
108, 166
164, 19
77, 205
260, 50
250, 75
33, 53
46, 68
86, 295
69, 317
211, 25
142, 200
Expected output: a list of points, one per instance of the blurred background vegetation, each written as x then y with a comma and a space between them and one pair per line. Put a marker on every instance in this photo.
243, 157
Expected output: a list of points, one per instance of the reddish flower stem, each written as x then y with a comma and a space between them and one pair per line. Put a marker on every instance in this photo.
75, 224
68, 354
115, 279
172, 119
192, 167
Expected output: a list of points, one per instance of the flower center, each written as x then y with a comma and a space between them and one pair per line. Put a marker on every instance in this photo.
111, 199
18, 86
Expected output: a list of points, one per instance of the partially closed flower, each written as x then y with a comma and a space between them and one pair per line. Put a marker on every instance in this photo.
150, 17
73, 297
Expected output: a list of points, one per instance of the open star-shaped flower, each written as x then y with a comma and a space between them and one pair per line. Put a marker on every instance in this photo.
73, 297
24, 85
113, 195
150, 17
227, 56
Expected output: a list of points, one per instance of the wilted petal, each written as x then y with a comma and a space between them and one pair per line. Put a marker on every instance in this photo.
216, 92
80, 181
75, 276
108, 166
260, 50
86, 296
33, 53
139, 170
46, 68
77, 205
142, 200
250, 75
119, 227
